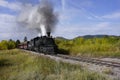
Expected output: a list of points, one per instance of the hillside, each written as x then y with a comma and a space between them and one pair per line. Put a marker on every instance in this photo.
89, 36
91, 45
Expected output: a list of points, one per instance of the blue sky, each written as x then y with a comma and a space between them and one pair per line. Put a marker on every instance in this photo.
76, 18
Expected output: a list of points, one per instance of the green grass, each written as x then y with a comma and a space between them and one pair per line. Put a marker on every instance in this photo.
19, 65
93, 47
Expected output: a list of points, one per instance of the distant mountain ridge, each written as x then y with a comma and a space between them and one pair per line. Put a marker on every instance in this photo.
89, 36
61, 38
96, 36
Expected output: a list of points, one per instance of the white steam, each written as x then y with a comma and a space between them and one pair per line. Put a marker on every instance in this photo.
43, 30
40, 17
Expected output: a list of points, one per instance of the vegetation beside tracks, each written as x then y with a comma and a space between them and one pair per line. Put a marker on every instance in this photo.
19, 65
8, 44
92, 47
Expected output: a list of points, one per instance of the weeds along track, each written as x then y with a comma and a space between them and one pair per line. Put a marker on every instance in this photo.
84, 59
91, 60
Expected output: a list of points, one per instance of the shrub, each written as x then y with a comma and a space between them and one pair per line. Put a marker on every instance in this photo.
4, 45
91, 46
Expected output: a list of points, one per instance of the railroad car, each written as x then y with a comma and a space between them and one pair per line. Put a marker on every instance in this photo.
23, 45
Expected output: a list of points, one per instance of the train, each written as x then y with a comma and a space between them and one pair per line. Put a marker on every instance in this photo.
43, 44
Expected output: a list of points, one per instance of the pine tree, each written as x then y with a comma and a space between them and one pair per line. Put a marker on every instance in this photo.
25, 39
17, 43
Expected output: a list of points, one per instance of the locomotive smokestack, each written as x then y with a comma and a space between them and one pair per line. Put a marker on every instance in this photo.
48, 34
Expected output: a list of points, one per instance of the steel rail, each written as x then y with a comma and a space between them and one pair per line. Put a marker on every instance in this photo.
91, 60
84, 59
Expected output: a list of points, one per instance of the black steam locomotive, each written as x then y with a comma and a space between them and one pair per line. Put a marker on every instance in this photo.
43, 44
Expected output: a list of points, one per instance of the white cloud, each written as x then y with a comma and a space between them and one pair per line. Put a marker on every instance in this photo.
115, 15
7, 26
7, 22
76, 8
112, 16
9, 29
74, 30
101, 26
7, 17
14, 6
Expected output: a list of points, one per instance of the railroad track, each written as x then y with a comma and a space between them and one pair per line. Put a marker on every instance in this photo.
91, 60
83, 59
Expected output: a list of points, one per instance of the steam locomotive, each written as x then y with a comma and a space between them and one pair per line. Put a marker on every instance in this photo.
43, 44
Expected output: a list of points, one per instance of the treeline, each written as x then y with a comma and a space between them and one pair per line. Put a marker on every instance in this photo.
8, 44
105, 46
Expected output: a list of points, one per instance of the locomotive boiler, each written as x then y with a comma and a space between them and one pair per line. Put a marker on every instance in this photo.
43, 44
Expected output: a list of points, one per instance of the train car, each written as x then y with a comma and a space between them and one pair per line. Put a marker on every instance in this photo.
23, 45
20, 46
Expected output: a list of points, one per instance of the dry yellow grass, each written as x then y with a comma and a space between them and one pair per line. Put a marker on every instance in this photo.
19, 65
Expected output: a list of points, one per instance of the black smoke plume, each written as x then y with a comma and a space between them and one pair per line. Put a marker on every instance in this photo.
41, 17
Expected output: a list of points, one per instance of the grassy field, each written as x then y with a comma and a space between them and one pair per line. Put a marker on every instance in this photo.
19, 65
91, 47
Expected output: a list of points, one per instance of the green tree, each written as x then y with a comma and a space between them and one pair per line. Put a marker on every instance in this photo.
17, 43
25, 39
4, 45
11, 44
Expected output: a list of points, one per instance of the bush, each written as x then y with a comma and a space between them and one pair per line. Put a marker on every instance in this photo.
4, 45
11, 45
91, 46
